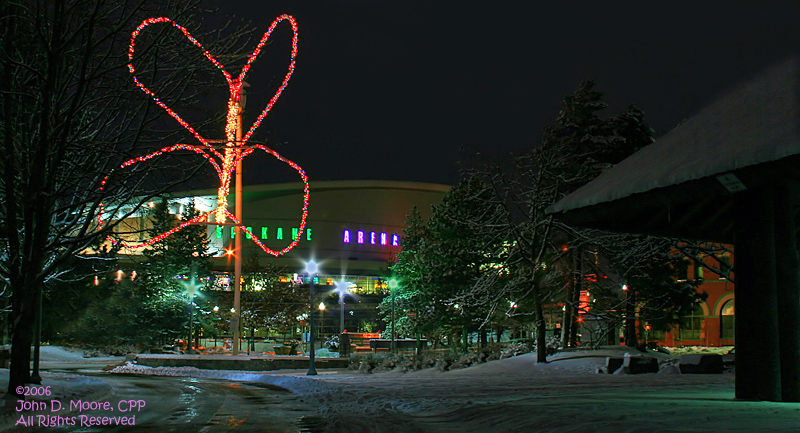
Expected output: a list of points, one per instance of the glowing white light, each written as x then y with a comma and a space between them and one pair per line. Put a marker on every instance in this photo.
343, 287
311, 267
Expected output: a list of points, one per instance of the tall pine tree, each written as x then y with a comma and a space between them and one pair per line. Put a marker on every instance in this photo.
167, 267
589, 145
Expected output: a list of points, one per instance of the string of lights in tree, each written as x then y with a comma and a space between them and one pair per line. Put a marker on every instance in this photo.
224, 162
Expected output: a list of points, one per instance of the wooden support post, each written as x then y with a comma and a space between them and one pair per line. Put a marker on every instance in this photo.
757, 349
788, 278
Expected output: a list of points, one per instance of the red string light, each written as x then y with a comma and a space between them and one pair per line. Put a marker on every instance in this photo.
224, 163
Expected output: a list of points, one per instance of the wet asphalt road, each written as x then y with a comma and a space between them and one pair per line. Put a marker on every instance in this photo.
192, 405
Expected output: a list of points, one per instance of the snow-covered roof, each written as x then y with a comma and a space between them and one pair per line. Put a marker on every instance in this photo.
755, 125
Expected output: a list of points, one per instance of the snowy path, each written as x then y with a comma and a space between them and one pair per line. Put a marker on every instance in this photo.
517, 395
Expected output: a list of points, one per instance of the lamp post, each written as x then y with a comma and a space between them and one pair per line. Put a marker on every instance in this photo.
191, 290
321, 321
342, 287
392, 287
311, 270
215, 310
302, 326
237, 259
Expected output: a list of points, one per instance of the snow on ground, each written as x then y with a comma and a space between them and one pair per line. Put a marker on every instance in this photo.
517, 394
513, 395
60, 354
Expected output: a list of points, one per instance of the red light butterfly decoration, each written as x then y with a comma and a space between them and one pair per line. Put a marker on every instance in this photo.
223, 162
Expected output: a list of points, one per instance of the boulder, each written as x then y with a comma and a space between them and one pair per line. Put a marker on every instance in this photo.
640, 365
614, 363
701, 364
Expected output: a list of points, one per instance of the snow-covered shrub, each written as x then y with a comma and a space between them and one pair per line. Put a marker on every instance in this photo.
442, 361
412, 363
467, 359
91, 353
364, 363
332, 343
513, 348
388, 363
553, 345
367, 364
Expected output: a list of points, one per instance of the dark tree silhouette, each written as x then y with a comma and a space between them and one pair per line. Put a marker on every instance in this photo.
69, 113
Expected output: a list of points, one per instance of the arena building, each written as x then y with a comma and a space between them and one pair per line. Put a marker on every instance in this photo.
352, 232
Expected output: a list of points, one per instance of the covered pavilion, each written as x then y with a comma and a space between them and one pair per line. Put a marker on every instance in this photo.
730, 175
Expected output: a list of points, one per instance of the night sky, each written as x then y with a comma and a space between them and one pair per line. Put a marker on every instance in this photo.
403, 90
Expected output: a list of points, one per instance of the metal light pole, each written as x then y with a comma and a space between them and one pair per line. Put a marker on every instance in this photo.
302, 327
321, 321
392, 286
191, 290
311, 269
341, 313
341, 287
191, 323
237, 259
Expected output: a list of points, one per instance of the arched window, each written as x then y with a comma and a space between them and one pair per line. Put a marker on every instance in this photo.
727, 320
692, 324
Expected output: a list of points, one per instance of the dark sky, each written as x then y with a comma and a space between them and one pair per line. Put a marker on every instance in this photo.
402, 90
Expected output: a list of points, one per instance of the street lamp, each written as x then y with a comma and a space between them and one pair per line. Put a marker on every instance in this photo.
392, 287
191, 291
215, 310
321, 320
342, 287
302, 318
311, 270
